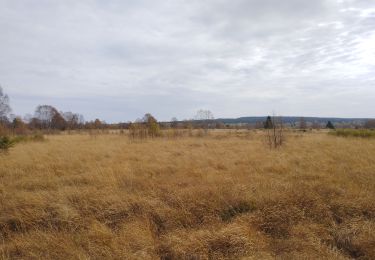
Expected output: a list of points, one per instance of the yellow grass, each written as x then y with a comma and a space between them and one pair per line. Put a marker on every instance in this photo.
216, 197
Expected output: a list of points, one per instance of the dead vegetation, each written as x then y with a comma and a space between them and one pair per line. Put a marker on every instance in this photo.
223, 195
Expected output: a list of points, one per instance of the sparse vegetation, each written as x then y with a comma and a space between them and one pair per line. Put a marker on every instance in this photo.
37, 137
222, 196
363, 133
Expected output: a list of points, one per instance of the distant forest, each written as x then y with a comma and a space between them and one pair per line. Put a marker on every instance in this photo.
47, 117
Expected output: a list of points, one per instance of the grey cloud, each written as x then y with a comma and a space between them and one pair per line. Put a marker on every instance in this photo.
243, 57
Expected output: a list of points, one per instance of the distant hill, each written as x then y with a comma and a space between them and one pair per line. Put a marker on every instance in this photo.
293, 119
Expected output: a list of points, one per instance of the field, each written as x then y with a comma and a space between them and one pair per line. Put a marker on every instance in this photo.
225, 195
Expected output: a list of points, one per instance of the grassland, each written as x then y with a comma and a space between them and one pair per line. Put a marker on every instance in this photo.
222, 196
363, 133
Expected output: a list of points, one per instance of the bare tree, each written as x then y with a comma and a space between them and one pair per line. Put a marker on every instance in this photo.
275, 133
302, 124
49, 117
204, 115
4, 106
44, 114
73, 120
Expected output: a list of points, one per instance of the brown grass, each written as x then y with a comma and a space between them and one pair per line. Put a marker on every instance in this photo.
225, 195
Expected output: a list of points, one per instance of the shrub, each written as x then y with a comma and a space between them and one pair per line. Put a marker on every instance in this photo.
330, 125
138, 131
148, 127
6, 143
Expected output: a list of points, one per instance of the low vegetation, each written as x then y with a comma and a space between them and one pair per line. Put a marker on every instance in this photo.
6, 143
216, 196
363, 133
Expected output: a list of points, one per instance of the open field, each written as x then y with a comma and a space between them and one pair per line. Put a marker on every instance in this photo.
221, 196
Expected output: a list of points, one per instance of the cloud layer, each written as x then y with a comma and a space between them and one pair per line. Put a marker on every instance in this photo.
120, 59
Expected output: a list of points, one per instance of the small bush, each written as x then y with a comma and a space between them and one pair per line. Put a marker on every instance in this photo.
6, 143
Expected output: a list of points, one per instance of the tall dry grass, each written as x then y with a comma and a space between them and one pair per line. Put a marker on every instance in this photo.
224, 195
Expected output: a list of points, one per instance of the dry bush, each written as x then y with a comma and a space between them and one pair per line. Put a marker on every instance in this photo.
188, 198
274, 134
138, 131
173, 133
142, 131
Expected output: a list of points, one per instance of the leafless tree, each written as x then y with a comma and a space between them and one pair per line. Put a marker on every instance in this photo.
49, 117
275, 134
302, 123
73, 120
204, 115
4, 106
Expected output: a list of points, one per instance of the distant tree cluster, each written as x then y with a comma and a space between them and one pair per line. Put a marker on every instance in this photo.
204, 115
45, 117
146, 127
370, 124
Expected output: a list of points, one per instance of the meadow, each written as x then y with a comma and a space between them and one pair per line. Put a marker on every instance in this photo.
224, 195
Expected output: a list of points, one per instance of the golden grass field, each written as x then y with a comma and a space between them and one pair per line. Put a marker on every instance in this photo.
223, 196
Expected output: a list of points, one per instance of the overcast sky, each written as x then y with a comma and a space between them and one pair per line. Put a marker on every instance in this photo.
118, 59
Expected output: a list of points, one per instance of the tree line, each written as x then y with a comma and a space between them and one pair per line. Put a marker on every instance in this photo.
48, 118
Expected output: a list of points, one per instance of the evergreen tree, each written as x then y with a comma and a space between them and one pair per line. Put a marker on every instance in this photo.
330, 125
268, 124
